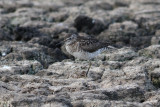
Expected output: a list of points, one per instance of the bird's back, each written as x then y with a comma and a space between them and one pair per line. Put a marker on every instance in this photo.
86, 47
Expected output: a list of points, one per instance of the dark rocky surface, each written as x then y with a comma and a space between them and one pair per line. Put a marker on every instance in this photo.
36, 72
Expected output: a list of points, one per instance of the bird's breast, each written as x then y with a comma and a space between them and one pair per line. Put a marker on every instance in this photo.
69, 49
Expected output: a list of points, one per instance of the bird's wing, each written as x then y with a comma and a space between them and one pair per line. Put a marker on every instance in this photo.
90, 44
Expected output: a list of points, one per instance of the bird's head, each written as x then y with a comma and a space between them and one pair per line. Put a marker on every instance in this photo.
71, 39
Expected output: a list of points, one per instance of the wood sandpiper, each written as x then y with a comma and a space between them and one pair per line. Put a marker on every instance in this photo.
86, 48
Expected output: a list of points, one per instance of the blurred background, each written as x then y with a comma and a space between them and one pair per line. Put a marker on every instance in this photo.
35, 71
46, 22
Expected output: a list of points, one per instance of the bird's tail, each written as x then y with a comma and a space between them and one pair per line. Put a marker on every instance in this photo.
111, 47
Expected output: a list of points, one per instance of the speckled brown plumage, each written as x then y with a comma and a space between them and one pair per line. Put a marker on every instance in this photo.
87, 44
90, 44
84, 47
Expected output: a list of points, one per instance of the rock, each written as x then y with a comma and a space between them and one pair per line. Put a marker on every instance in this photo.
107, 94
35, 71
125, 26
26, 33
58, 30
126, 33
155, 40
5, 30
120, 14
125, 75
75, 3
140, 42
157, 33
108, 103
22, 51
57, 17
21, 67
155, 77
142, 12
122, 54
99, 5
36, 24
151, 51
88, 25
42, 40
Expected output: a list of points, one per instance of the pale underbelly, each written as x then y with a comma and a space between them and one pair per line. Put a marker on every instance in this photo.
83, 54
86, 55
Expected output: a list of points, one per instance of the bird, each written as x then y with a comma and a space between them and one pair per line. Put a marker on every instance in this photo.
85, 47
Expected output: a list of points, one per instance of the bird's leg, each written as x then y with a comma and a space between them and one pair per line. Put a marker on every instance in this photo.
88, 67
